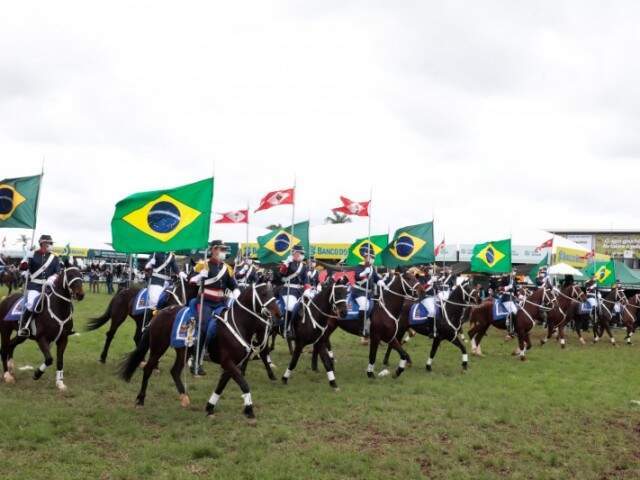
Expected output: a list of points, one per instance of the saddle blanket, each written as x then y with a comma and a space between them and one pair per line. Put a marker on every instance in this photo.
353, 310
185, 326
141, 302
585, 308
15, 312
500, 312
292, 314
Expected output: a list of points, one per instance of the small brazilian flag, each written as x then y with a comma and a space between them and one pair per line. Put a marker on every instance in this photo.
356, 251
605, 272
492, 257
275, 246
164, 220
411, 245
19, 201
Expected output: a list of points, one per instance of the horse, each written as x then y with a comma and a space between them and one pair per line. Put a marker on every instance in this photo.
633, 306
53, 321
531, 308
606, 314
446, 326
122, 305
9, 278
251, 314
564, 311
311, 323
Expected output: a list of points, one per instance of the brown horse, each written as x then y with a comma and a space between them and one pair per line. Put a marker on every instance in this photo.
10, 278
53, 324
633, 307
607, 313
311, 323
249, 316
564, 311
447, 327
121, 306
530, 309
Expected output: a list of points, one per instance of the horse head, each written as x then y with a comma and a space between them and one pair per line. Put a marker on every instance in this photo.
338, 297
71, 281
263, 300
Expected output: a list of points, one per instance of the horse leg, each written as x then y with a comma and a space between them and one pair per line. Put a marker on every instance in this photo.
266, 361
563, 342
522, 346
607, 328
176, 374
217, 393
155, 353
244, 387
331, 327
7, 367
549, 333
482, 331
432, 354
465, 357
61, 346
314, 358
399, 336
48, 359
328, 365
404, 356
292, 364
373, 351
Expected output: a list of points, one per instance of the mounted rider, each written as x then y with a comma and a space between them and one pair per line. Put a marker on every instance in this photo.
216, 279
313, 276
428, 282
245, 272
620, 300
446, 282
163, 268
543, 279
366, 278
294, 274
507, 291
43, 268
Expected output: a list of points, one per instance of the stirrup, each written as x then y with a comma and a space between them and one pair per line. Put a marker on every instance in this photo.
24, 332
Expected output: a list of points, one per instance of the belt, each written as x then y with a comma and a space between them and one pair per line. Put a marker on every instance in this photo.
217, 292
38, 281
292, 285
161, 276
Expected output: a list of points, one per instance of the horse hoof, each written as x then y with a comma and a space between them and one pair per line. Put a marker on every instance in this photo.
429, 369
61, 386
285, 380
383, 373
465, 367
336, 389
252, 422
142, 364
272, 378
582, 342
185, 401
273, 365
371, 375
523, 358
9, 378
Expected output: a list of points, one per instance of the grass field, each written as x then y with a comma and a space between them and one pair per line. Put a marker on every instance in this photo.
563, 414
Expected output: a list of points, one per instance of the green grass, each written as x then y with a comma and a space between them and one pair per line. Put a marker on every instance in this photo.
563, 414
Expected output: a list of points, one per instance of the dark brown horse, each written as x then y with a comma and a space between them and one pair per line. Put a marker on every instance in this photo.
530, 310
53, 323
251, 315
564, 312
311, 323
121, 306
606, 314
633, 307
10, 278
447, 327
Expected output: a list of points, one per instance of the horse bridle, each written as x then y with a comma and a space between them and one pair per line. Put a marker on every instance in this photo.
404, 284
332, 300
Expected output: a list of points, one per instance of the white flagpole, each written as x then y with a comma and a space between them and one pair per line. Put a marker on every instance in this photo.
293, 219
366, 310
246, 244
33, 232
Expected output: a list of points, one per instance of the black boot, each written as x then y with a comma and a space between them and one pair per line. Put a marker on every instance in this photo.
23, 327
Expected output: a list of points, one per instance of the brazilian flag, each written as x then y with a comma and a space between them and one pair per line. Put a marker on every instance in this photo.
356, 251
19, 202
275, 246
605, 272
411, 245
492, 257
164, 220
533, 273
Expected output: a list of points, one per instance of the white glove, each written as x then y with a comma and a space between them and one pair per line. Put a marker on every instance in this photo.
52, 279
204, 273
381, 284
308, 293
236, 293
319, 288
182, 275
365, 272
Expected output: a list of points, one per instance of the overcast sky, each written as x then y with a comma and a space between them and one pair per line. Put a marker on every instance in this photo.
485, 112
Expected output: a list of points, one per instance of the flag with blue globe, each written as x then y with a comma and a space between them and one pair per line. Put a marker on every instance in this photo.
412, 245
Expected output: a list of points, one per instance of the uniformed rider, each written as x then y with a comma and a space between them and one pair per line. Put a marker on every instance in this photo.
366, 278
294, 276
163, 268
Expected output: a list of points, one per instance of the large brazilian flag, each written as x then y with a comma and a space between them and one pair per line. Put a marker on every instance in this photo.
492, 257
605, 272
377, 243
275, 246
412, 245
164, 220
19, 202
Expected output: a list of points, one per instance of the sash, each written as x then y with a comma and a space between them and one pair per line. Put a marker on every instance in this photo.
294, 274
42, 269
164, 265
217, 278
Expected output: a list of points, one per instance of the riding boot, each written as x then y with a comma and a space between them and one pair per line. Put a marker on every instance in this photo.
366, 323
200, 371
23, 324
289, 332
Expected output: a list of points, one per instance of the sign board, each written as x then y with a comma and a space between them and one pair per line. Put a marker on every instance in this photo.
618, 243
585, 241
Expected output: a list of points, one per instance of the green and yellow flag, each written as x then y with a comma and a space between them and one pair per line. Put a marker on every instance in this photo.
605, 272
275, 246
19, 202
412, 245
492, 257
164, 220
377, 242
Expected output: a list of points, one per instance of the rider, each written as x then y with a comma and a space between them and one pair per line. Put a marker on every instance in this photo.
245, 272
542, 278
216, 278
162, 267
366, 277
313, 277
447, 282
294, 278
428, 280
507, 290
43, 268
591, 287
619, 300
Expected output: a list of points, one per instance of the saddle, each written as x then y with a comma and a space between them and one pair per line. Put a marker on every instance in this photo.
16, 310
353, 310
419, 315
141, 302
500, 312
186, 325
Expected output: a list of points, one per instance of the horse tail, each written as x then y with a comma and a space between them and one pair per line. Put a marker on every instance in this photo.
97, 322
131, 362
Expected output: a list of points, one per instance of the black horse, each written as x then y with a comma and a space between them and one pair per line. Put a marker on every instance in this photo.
53, 322
121, 306
311, 323
250, 315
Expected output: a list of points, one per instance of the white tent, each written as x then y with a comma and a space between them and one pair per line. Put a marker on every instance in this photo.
564, 269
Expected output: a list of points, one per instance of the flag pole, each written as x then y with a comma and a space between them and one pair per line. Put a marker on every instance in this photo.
246, 244
370, 248
33, 232
197, 360
293, 219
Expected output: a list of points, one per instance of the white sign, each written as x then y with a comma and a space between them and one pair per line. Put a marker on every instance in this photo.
585, 241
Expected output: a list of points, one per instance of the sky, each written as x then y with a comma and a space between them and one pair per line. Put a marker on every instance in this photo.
484, 115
